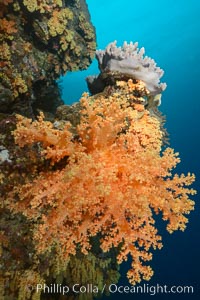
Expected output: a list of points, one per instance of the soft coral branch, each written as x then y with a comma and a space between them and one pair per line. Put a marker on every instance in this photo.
115, 179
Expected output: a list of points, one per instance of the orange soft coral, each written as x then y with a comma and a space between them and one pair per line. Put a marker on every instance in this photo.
114, 180
7, 28
57, 143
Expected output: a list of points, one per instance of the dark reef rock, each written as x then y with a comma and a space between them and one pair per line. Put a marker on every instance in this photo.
39, 41
69, 113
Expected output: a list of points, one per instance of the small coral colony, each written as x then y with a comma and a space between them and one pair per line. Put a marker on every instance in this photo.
80, 193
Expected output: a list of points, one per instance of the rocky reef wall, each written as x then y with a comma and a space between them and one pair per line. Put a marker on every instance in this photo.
39, 41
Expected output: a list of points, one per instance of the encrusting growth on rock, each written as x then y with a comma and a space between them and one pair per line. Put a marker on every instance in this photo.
40, 40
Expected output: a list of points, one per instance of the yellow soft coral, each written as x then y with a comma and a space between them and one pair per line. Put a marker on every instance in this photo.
5, 53
27, 285
86, 27
57, 23
66, 39
31, 5
113, 179
42, 5
19, 86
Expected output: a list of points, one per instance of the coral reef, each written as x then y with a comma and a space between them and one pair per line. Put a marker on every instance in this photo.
40, 40
79, 185
21, 267
128, 61
101, 180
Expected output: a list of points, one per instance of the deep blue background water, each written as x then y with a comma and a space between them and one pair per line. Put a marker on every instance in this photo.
170, 32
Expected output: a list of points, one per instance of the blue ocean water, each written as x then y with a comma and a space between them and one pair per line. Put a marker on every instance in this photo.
170, 32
